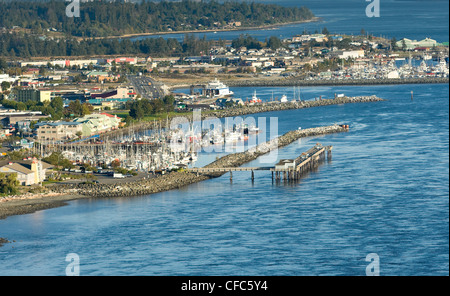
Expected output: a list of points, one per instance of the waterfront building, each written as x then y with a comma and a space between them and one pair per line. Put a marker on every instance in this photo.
345, 54
94, 124
58, 131
29, 171
413, 44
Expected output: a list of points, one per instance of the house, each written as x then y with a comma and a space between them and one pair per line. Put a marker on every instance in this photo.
29, 171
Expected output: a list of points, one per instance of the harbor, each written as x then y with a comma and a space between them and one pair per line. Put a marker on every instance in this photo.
153, 147
178, 179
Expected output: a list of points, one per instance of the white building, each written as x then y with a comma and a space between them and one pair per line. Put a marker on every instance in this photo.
345, 54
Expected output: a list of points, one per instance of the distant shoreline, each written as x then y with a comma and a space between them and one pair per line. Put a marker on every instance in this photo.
306, 83
314, 19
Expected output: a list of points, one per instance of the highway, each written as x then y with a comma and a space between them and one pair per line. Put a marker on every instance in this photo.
146, 86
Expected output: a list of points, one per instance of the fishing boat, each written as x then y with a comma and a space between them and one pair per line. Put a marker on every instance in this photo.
255, 99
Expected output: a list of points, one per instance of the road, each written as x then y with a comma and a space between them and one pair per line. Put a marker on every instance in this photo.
147, 87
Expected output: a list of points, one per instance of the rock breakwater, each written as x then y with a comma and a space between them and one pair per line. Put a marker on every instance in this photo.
321, 82
246, 110
178, 179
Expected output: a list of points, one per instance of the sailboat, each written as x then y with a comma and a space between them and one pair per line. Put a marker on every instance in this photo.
295, 99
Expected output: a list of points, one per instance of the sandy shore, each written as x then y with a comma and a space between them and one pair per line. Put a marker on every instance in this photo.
26, 204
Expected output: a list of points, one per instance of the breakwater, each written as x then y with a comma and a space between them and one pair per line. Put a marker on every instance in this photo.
178, 179
334, 82
241, 111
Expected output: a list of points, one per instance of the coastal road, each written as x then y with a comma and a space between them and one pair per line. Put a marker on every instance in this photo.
147, 87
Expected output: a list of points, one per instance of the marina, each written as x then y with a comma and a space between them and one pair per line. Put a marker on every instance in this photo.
345, 180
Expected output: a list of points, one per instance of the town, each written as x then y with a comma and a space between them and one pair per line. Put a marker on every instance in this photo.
64, 112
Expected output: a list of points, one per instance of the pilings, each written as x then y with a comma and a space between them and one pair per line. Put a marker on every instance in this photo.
308, 161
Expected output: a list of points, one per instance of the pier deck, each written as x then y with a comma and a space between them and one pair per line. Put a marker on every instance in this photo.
291, 169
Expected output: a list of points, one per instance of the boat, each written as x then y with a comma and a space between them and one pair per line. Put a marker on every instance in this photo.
217, 89
426, 57
255, 99
232, 137
253, 130
283, 99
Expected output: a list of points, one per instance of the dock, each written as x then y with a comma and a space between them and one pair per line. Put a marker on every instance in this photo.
293, 169
286, 169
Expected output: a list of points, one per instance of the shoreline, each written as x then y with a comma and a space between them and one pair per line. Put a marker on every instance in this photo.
60, 195
299, 82
262, 27
21, 205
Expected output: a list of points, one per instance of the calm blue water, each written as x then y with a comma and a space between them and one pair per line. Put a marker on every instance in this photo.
385, 191
413, 19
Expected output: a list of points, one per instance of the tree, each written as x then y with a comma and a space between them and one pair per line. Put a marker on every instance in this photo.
74, 108
325, 31
5, 85
404, 46
274, 43
9, 183
169, 101
57, 104
394, 44
136, 110
3, 64
86, 109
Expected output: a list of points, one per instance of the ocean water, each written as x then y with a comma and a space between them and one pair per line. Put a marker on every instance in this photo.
385, 191
413, 19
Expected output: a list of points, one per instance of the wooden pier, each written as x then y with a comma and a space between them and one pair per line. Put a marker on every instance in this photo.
286, 169
293, 169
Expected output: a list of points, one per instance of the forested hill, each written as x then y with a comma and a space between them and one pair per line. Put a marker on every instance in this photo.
100, 19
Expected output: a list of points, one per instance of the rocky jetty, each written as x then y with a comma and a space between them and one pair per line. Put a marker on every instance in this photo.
177, 179
335, 82
249, 109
